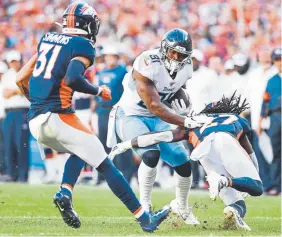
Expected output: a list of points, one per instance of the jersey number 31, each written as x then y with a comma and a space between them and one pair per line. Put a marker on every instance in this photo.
46, 64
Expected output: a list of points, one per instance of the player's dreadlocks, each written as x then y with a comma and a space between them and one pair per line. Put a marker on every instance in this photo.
230, 105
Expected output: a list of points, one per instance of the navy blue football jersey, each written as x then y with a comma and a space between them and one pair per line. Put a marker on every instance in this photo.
229, 123
48, 91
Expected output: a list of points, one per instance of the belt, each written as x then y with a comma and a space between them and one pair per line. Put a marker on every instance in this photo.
15, 109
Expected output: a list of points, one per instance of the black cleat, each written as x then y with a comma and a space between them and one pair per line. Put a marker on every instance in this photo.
64, 204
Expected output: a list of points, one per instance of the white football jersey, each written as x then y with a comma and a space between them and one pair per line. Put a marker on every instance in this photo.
150, 65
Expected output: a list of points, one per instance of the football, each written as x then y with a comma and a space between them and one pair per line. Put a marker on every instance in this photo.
180, 94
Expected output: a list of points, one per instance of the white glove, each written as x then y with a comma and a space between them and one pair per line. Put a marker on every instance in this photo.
179, 106
119, 148
196, 121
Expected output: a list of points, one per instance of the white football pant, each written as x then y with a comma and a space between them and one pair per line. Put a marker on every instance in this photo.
224, 155
66, 133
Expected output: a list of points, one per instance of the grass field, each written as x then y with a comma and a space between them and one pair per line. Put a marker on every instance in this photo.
28, 210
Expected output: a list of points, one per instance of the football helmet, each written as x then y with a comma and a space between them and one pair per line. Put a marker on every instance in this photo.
178, 40
81, 19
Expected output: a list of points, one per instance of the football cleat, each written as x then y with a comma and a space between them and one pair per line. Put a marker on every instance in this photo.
216, 183
69, 215
232, 219
156, 219
186, 214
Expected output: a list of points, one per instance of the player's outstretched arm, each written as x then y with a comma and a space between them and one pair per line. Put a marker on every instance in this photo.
149, 139
24, 75
75, 79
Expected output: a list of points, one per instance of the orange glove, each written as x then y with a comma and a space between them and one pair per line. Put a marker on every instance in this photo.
105, 93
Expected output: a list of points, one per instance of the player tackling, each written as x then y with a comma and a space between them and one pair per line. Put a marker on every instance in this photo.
223, 149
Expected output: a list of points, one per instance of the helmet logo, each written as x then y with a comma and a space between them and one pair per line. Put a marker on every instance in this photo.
86, 10
180, 48
83, 9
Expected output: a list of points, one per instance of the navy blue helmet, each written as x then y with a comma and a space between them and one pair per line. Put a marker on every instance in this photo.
81, 19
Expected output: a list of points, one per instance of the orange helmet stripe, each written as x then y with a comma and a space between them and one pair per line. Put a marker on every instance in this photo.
70, 19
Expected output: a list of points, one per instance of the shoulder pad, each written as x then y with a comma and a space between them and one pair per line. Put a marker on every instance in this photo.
148, 64
84, 48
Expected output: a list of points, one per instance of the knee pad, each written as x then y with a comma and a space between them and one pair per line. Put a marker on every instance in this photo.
183, 170
151, 158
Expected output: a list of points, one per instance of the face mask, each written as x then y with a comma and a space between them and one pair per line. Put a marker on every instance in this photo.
172, 65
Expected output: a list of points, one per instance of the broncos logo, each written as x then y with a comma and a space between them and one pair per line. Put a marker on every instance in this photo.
86, 10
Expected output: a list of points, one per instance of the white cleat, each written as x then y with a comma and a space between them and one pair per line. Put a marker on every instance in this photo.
232, 219
186, 214
216, 183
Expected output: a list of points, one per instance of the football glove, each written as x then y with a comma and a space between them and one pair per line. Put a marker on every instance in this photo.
105, 93
196, 121
179, 106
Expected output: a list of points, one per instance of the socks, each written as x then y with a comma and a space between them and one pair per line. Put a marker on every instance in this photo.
66, 189
183, 186
146, 178
240, 206
246, 184
72, 171
120, 187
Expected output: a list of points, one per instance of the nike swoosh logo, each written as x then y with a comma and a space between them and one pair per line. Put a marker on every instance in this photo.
61, 209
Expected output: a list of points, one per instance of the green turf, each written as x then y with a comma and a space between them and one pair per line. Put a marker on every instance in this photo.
28, 210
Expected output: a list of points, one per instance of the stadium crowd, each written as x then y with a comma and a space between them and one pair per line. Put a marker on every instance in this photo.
233, 50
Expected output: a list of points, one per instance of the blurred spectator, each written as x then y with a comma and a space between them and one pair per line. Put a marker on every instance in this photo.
112, 76
272, 107
242, 66
229, 67
16, 131
255, 88
216, 65
218, 28
228, 79
202, 87
3, 69
258, 79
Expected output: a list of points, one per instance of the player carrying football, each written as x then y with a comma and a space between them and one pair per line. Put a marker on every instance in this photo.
49, 80
223, 149
156, 76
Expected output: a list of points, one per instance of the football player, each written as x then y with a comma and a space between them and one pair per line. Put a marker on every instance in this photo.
49, 80
156, 76
223, 149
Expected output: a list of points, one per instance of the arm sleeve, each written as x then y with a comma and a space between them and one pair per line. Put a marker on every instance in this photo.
76, 80
154, 138
265, 102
